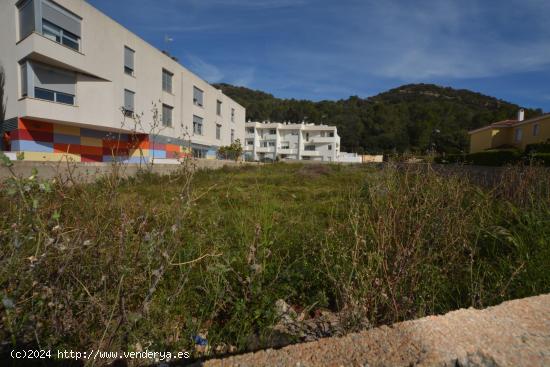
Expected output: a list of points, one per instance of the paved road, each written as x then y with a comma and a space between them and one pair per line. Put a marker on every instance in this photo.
515, 333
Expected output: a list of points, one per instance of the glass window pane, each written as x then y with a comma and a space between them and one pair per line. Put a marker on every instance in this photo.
44, 94
65, 98
70, 43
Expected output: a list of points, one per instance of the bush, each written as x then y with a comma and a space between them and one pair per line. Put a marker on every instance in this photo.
543, 158
231, 152
450, 158
537, 148
494, 157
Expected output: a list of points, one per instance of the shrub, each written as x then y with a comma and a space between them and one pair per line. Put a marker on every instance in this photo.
232, 152
543, 158
537, 148
450, 158
494, 157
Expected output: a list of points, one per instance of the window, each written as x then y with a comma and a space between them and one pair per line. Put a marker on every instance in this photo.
24, 80
272, 131
329, 147
536, 129
219, 108
322, 134
331, 134
309, 148
129, 55
250, 130
26, 19
197, 97
232, 136
232, 115
167, 115
60, 25
307, 136
129, 102
218, 131
250, 142
519, 135
59, 35
197, 125
52, 84
167, 81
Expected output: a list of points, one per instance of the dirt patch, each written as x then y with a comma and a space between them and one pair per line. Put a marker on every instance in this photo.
314, 170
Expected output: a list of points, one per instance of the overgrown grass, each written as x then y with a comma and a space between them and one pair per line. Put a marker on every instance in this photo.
150, 262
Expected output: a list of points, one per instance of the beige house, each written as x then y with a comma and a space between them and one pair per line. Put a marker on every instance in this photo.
76, 78
517, 133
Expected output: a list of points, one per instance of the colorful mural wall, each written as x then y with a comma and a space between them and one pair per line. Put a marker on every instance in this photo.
43, 141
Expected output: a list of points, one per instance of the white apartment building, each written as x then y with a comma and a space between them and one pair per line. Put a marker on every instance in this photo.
75, 79
272, 141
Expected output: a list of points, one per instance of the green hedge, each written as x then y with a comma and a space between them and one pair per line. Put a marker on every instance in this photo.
494, 157
541, 158
450, 158
537, 148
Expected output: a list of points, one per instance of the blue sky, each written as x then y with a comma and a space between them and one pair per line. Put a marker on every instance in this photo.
331, 49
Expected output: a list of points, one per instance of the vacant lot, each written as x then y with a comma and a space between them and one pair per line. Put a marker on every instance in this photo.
153, 262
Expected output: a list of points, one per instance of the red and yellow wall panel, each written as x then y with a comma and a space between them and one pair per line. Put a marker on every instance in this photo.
44, 141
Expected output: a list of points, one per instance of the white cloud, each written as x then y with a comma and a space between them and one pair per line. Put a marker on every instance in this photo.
207, 71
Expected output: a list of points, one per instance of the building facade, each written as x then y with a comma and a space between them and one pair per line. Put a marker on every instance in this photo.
79, 84
274, 141
511, 133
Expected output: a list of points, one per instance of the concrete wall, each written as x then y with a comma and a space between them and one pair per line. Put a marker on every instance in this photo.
89, 172
101, 80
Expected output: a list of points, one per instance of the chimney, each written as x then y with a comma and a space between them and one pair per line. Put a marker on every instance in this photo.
521, 115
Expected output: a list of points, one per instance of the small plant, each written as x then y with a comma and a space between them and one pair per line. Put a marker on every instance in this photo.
232, 152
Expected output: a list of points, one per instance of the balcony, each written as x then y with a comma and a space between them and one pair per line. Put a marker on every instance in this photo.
39, 48
269, 137
311, 153
248, 148
265, 150
322, 140
287, 151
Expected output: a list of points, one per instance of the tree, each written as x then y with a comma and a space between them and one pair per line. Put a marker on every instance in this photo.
233, 151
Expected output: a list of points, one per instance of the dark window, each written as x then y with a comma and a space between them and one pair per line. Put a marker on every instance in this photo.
232, 136
198, 96
53, 96
536, 129
24, 80
197, 125
329, 147
167, 115
250, 130
129, 97
218, 132
309, 148
232, 115
26, 19
331, 135
44, 94
219, 108
60, 35
167, 81
129, 56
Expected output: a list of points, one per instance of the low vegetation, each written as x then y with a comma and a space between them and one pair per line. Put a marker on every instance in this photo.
537, 154
153, 262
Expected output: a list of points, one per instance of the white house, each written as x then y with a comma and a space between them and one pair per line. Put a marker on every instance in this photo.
272, 141
70, 71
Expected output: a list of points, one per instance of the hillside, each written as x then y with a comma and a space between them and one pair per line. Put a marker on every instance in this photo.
399, 120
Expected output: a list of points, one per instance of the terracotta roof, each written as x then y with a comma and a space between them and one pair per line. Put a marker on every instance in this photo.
509, 123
